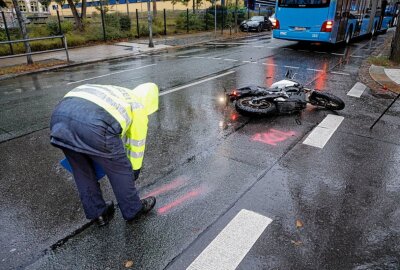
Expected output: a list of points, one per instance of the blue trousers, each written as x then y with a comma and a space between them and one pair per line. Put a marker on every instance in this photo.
122, 179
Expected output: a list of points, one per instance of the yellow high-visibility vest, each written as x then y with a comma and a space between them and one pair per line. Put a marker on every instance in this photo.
129, 107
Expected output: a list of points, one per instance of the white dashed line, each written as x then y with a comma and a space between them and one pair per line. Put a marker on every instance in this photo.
232, 60
340, 54
232, 244
216, 58
182, 56
271, 47
258, 46
291, 67
357, 56
246, 61
317, 70
357, 90
198, 57
266, 64
340, 73
195, 83
320, 52
324, 131
109, 74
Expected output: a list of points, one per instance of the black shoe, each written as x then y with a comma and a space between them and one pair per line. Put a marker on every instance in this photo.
147, 204
107, 215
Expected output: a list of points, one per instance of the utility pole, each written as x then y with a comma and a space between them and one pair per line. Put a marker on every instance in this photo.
215, 18
372, 16
127, 7
150, 21
236, 16
23, 31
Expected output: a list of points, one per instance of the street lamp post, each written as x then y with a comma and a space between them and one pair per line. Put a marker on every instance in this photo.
215, 18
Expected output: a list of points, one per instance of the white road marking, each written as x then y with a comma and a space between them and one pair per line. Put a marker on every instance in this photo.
195, 83
271, 47
266, 64
232, 60
258, 46
198, 57
253, 62
291, 67
340, 73
320, 52
109, 74
232, 244
216, 58
317, 70
357, 90
357, 56
324, 131
183, 56
340, 54
246, 61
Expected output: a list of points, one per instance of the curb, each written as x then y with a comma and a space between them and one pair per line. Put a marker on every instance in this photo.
379, 75
12, 76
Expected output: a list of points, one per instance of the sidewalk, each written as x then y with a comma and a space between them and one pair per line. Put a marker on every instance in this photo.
103, 52
387, 78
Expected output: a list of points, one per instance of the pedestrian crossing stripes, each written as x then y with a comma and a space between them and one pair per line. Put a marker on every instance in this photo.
232, 244
324, 131
357, 90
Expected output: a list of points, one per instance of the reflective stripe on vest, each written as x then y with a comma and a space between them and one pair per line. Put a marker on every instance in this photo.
133, 142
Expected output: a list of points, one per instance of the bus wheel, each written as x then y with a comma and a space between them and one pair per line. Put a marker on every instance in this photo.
348, 36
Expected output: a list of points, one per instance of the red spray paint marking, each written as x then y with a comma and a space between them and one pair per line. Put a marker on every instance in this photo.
190, 195
165, 188
321, 78
270, 71
273, 136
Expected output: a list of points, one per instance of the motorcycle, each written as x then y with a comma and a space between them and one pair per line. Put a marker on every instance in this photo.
283, 97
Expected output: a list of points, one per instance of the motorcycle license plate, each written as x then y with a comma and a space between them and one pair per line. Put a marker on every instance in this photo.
299, 29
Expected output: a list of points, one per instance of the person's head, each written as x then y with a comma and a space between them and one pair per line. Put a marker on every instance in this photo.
147, 94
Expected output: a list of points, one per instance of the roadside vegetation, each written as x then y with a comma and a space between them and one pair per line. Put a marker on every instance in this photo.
118, 26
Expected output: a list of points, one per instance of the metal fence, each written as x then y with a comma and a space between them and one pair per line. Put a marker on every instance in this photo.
105, 26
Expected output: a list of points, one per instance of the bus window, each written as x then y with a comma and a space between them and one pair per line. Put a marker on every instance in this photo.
304, 3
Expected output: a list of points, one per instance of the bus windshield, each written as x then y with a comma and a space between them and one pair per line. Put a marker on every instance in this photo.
303, 3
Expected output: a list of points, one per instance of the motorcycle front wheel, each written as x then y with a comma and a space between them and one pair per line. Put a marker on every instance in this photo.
249, 106
329, 101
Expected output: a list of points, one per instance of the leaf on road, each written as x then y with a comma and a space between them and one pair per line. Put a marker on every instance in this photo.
299, 224
128, 264
296, 243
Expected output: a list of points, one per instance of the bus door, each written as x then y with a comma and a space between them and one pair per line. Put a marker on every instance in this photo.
341, 17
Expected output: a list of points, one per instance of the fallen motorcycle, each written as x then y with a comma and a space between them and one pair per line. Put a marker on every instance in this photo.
283, 97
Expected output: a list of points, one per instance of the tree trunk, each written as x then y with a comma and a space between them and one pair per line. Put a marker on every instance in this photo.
23, 31
83, 12
78, 22
395, 53
154, 8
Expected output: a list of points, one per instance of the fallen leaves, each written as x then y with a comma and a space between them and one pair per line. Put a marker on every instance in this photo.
128, 264
299, 224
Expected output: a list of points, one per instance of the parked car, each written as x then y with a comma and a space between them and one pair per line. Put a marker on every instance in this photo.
257, 23
272, 18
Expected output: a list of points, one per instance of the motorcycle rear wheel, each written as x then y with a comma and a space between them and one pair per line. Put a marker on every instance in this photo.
245, 106
329, 101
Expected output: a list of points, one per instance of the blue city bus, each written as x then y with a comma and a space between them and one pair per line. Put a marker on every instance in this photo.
332, 21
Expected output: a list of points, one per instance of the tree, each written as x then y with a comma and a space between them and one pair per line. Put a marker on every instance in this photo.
395, 53
22, 26
78, 21
45, 3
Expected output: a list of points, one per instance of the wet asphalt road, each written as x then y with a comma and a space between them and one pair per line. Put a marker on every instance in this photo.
205, 163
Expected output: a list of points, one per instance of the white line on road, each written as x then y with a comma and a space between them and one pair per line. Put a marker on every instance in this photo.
183, 56
195, 83
357, 90
216, 58
320, 52
109, 74
232, 60
232, 244
246, 61
266, 64
357, 56
317, 70
340, 54
199, 57
271, 47
340, 73
291, 67
324, 131
258, 46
